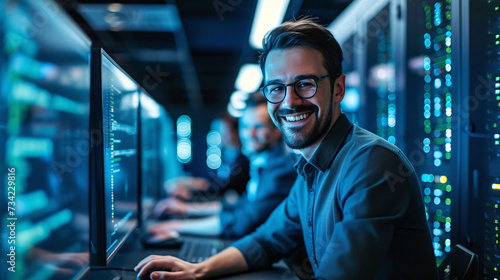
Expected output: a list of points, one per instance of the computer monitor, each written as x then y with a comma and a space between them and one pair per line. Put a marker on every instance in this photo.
44, 142
114, 160
158, 152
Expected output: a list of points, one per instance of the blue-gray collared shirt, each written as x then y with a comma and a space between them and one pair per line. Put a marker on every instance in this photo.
356, 206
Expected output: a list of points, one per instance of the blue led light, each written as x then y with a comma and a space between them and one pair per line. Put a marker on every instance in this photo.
392, 139
391, 109
437, 72
427, 44
431, 178
383, 121
437, 162
427, 149
427, 66
437, 83
427, 191
437, 22
437, 224
438, 154
437, 113
392, 123
438, 192
427, 114
437, 200
427, 78
437, 232
448, 78
437, 14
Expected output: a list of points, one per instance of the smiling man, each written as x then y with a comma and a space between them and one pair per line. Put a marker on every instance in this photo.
356, 204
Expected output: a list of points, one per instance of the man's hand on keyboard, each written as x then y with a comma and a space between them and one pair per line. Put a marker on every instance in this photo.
175, 268
170, 206
229, 261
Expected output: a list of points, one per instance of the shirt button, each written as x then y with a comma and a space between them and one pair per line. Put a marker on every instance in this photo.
311, 189
309, 223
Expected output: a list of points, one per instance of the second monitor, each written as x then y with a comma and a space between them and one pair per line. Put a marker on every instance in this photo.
114, 163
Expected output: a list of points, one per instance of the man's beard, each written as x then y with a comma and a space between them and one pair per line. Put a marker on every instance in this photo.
293, 137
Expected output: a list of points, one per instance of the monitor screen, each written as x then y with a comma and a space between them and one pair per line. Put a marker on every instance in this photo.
116, 157
44, 142
158, 152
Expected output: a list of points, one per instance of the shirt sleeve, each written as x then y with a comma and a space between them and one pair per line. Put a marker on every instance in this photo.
274, 186
371, 204
279, 236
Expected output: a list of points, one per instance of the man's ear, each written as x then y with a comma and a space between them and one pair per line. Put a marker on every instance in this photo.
339, 89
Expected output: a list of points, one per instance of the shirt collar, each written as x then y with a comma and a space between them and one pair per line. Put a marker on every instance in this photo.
329, 147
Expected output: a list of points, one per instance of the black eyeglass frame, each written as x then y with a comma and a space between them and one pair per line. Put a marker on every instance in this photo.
316, 80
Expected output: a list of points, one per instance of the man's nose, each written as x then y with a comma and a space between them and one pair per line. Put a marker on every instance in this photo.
291, 98
253, 132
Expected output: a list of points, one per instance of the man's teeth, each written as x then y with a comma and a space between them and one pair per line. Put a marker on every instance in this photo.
296, 118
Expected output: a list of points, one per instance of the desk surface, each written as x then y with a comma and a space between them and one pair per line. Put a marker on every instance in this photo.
132, 252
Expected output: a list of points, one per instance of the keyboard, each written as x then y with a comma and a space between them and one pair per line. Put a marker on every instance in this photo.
196, 251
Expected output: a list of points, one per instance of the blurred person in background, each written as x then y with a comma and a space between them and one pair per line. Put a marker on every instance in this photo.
271, 177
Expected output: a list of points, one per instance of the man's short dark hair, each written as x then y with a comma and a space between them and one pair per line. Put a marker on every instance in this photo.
255, 99
305, 32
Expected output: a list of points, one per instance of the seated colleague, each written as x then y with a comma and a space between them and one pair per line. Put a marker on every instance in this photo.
356, 203
271, 177
233, 174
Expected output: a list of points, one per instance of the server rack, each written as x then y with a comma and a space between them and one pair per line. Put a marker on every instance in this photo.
480, 126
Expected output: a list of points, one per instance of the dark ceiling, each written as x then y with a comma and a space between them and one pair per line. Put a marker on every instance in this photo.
195, 66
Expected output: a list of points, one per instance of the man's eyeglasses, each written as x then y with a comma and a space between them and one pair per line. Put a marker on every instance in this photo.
305, 88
